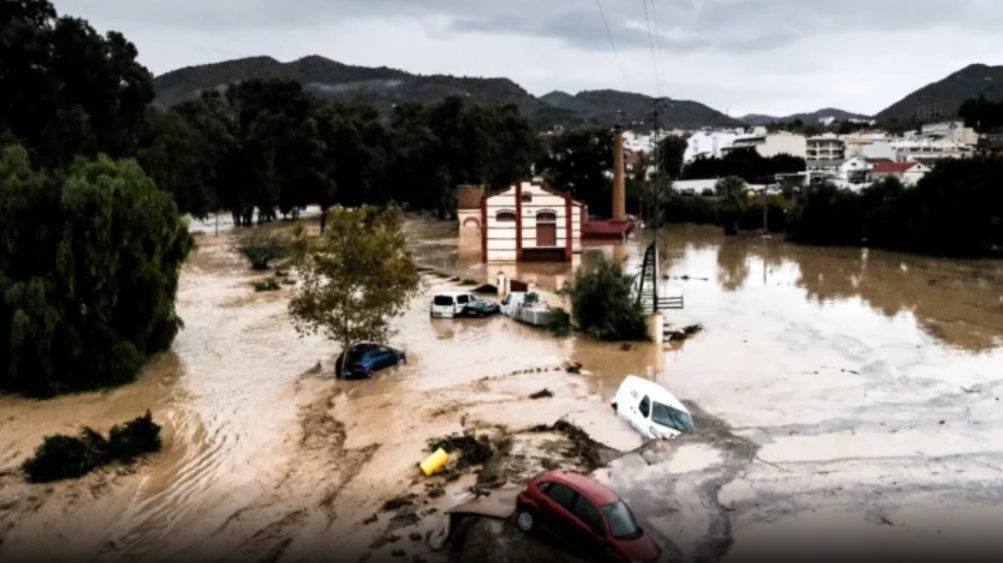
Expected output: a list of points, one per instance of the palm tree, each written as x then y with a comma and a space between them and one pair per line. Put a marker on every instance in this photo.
731, 191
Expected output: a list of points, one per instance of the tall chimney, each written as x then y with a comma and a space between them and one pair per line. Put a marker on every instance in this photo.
619, 188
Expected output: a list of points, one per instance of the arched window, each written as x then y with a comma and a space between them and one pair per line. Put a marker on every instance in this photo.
505, 217
527, 197
546, 217
471, 222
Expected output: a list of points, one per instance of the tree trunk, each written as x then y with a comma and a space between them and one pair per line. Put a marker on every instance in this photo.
323, 218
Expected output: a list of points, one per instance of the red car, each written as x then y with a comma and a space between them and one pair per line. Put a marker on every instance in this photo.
585, 516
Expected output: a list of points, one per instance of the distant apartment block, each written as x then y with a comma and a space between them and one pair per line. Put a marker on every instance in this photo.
772, 145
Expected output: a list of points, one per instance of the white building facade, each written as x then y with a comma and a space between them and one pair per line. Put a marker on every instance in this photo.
529, 221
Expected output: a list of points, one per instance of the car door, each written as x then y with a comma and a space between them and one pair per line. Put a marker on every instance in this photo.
590, 528
642, 415
557, 517
461, 304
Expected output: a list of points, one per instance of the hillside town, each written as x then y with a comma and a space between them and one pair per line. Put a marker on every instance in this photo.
851, 161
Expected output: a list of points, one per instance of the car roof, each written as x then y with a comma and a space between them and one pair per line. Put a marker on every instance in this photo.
594, 490
451, 293
655, 391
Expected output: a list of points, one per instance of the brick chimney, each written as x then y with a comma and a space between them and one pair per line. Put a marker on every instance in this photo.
619, 186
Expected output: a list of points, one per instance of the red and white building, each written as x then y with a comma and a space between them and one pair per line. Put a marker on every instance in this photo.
910, 173
527, 221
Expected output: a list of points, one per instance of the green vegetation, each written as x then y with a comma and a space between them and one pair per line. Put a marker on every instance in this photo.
745, 164
731, 193
356, 277
89, 270
263, 248
578, 162
956, 210
69, 457
603, 302
982, 114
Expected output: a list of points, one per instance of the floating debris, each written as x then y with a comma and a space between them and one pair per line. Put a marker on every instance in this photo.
544, 394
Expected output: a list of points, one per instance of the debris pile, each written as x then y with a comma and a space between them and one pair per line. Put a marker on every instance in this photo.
684, 334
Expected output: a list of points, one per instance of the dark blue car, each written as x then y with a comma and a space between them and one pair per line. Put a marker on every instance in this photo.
365, 359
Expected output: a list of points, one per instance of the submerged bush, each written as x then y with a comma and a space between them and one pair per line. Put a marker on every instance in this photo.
69, 457
603, 303
263, 248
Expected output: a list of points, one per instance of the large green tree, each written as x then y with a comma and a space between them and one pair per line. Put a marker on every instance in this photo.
66, 90
356, 277
604, 304
89, 270
581, 162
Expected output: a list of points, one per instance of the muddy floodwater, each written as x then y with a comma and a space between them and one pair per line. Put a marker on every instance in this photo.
842, 394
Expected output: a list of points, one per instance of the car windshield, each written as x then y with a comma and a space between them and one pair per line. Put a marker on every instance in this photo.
665, 415
621, 520
443, 300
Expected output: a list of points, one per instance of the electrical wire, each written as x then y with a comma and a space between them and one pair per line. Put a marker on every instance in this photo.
651, 42
612, 44
658, 43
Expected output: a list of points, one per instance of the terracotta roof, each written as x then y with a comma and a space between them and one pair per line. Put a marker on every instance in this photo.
892, 167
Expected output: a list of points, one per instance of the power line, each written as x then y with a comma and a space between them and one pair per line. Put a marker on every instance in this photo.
613, 45
658, 42
651, 41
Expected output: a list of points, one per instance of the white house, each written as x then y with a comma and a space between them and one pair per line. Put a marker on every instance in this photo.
855, 171
909, 172
530, 221
708, 144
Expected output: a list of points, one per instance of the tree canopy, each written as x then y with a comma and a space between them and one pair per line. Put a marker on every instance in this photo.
356, 277
88, 273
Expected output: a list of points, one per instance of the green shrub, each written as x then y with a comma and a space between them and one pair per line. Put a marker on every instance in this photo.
133, 439
263, 248
604, 304
68, 457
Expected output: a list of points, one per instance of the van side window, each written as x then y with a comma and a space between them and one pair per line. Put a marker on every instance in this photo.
462, 299
645, 407
443, 301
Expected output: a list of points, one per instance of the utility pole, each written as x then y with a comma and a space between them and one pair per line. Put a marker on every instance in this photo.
656, 129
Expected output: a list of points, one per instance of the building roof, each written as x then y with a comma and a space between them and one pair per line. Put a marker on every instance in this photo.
892, 167
469, 197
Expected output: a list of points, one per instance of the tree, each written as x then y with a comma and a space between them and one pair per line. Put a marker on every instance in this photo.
356, 277
731, 191
603, 302
581, 162
65, 90
89, 271
670, 155
177, 156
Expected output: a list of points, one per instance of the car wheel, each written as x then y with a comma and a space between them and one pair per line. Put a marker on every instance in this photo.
525, 520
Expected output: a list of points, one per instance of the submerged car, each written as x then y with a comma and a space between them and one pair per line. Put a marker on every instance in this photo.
586, 516
651, 409
480, 308
365, 359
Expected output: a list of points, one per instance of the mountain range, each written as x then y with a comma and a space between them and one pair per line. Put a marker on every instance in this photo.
385, 87
806, 118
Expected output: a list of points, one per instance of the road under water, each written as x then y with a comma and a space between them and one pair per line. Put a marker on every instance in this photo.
862, 365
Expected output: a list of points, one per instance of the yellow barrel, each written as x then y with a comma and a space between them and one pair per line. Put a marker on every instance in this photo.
435, 462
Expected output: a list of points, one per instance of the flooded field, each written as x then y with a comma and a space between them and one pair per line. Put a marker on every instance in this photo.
845, 391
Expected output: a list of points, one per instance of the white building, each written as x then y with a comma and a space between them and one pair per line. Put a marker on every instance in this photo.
855, 171
708, 144
954, 131
529, 221
926, 150
772, 145
909, 172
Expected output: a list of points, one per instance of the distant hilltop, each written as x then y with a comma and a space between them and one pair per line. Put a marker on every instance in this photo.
384, 87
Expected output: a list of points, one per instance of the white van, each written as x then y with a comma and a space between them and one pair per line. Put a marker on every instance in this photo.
450, 304
651, 409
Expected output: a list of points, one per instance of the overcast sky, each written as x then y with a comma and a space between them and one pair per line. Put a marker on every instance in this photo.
739, 56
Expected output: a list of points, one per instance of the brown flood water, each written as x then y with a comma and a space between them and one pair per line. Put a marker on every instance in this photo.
268, 458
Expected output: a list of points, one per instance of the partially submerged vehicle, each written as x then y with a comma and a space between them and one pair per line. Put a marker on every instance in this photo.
586, 516
651, 409
366, 358
453, 304
530, 308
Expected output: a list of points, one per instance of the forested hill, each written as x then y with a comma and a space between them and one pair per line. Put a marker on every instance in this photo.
609, 106
384, 87
945, 97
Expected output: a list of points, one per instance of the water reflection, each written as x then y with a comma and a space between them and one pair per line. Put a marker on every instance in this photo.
958, 302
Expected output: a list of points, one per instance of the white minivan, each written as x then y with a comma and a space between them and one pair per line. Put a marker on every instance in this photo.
450, 304
651, 409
